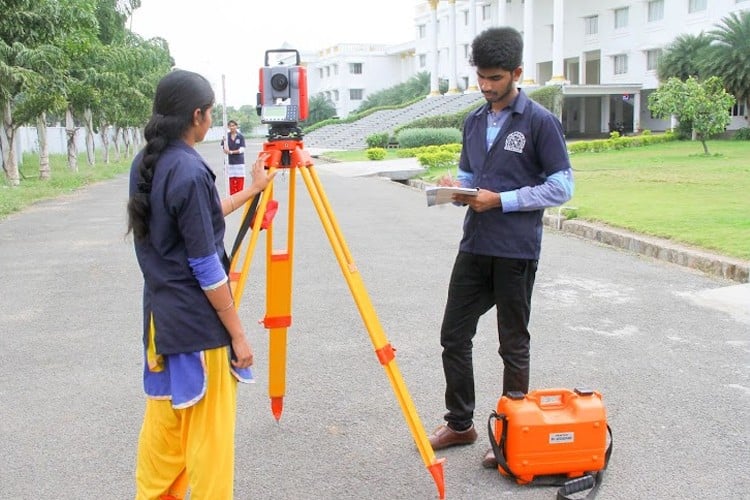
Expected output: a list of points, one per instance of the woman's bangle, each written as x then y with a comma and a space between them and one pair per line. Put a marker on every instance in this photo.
227, 307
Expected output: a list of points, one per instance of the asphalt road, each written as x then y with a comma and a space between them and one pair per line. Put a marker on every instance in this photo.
672, 368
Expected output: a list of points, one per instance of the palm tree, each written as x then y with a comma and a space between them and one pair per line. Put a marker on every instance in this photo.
681, 58
729, 54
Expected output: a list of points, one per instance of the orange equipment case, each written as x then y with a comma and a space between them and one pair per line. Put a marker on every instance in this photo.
550, 432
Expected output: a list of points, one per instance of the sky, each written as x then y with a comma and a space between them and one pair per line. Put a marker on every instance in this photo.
226, 41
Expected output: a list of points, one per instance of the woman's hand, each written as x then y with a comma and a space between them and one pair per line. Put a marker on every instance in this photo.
242, 352
261, 177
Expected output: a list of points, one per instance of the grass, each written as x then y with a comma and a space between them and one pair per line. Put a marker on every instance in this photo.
672, 191
669, 190
358, 155
62, 180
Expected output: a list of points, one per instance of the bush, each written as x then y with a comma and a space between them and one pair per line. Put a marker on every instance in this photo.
416, 137
742, 134
378, 140
617, 142
376, 153
549, 96
438, 160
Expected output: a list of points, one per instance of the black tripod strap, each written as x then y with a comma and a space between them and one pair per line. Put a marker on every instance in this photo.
567, 487
245, 225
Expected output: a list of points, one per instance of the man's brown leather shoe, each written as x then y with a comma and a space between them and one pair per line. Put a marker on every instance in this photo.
489, 461
445, 437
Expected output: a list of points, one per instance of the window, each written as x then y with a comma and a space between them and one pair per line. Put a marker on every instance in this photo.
336, 95
335, 69
422, 31
621, 64
467, 51
738, 109
422, 60
655, 10
696, 5
652, 59
466, 18
356, 94
621, 18
320, 73
328, 71
355, 68
486, 13
591, 25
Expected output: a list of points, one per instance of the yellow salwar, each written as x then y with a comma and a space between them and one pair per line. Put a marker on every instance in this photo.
191, 447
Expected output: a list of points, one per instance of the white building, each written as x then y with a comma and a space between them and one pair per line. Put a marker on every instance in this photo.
346, 73
602, 53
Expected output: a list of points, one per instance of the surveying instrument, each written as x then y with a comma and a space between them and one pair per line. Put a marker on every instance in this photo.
282, 103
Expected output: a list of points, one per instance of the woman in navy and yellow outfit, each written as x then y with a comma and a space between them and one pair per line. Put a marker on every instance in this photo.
195, 347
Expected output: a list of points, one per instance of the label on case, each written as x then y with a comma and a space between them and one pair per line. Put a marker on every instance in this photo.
561, 437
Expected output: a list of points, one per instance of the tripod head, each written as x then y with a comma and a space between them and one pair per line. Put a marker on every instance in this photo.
282, 100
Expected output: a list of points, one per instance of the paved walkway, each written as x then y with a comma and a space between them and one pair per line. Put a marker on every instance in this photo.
666, 346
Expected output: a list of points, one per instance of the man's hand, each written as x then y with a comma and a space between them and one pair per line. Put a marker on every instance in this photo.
483, 201
448, 181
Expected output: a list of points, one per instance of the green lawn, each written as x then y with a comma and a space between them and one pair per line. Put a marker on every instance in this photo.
31, 189
668, 190
671, 190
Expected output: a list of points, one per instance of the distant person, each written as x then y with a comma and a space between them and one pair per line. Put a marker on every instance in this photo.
195, 347
514, 152
234, 148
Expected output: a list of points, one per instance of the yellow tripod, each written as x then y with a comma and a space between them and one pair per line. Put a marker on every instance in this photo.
288, 153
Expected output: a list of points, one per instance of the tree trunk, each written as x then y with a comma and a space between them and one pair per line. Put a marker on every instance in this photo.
116, 141
88, 123
41, 132
126, 141
104, 132
70, 130
9, 154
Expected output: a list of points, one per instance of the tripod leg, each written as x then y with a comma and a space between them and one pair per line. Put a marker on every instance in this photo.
237, 279
383, 349
279, 306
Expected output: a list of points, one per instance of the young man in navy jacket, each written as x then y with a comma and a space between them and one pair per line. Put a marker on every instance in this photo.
514, 152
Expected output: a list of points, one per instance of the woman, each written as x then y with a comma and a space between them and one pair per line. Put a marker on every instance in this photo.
195, 345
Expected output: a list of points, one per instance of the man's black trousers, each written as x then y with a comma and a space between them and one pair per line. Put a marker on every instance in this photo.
477, 283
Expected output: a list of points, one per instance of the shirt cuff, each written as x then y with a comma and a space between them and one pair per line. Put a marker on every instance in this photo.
509, 201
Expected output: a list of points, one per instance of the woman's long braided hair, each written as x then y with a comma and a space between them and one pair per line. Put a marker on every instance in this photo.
177, 97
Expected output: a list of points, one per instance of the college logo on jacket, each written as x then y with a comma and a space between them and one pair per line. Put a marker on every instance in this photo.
515, 142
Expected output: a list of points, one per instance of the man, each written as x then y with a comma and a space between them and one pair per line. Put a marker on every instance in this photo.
514, 152
234, 147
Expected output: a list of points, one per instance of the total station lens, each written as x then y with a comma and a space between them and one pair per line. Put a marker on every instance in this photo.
279, 82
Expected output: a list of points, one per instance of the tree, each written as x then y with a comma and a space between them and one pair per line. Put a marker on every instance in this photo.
682, 58
729, 54
417, 86
704, 104
320, 108
30, 51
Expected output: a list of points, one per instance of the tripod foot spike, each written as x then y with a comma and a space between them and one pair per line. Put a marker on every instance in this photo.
277, 406
436, 469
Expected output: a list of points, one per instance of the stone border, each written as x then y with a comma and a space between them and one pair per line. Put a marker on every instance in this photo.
657, 248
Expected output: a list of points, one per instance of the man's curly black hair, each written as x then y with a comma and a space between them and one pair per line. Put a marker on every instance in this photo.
497, 48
